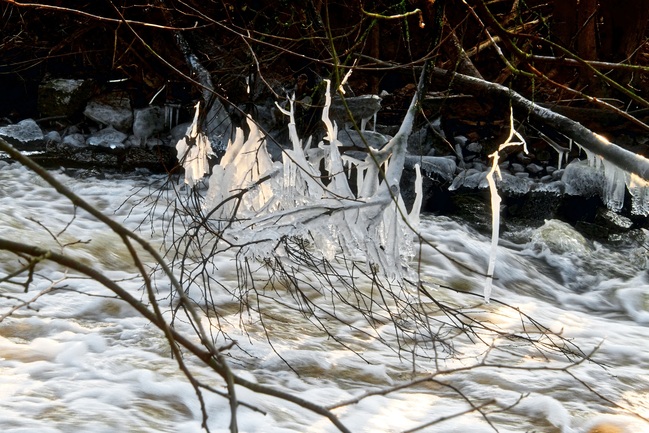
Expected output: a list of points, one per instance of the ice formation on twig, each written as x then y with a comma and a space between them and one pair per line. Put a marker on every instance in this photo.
193, 151
495, 201
262, 202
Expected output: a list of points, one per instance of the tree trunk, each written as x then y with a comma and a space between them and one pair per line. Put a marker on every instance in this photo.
587, 29
623, 28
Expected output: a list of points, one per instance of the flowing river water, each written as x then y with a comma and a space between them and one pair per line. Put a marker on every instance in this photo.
77, 359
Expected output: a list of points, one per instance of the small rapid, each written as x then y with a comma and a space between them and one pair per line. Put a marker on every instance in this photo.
78, 359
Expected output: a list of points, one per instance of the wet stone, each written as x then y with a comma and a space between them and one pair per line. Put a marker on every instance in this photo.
523, 158
613, 221
534, 168
517, 168
474, 147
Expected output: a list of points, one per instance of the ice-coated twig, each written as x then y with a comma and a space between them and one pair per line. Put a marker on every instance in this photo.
495, 201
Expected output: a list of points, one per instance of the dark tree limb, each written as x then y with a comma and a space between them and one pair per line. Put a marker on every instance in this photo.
586, 138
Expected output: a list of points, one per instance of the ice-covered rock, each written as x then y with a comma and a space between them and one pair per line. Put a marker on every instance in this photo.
52, 137
148, 122
433, 166
362, 109
351, 138
108, 137
596, 176
470, 178
582, 179
63, 97
75, 140
25, 134
514, 184
113, 109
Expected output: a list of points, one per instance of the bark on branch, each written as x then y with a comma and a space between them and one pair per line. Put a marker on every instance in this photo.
586, 138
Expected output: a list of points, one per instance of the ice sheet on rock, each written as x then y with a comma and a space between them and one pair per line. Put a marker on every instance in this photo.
582, 179
434, 165
556, 187
470, 178
513, 184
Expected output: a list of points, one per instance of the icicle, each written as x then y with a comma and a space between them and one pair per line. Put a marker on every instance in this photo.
614, 187
562, 151
292, 129
639, 189
616, 181
294, 202
334, 165
413, 216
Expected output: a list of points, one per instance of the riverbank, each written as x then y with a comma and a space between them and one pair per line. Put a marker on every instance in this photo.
100, 131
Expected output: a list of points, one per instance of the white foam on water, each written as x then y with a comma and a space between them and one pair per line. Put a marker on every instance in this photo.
83, 361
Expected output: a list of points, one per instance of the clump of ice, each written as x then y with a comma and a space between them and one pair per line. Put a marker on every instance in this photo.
639, 189
262, 202
597, 176
194, 151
